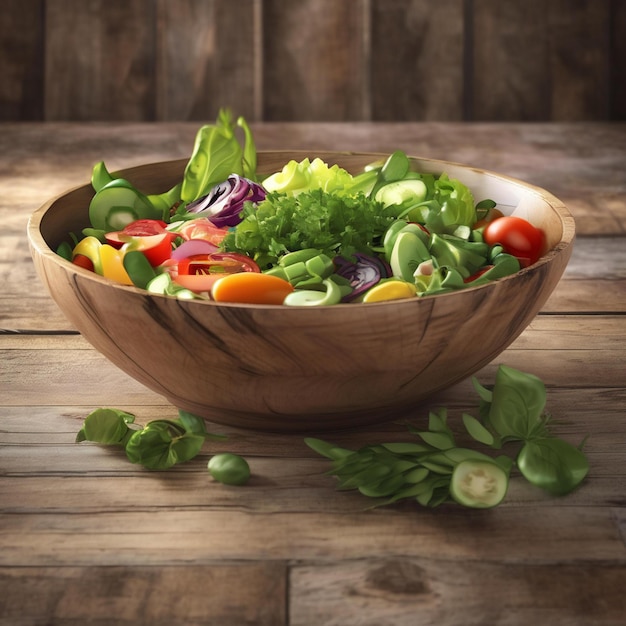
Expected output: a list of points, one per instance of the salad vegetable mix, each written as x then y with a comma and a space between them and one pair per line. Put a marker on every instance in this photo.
309, 234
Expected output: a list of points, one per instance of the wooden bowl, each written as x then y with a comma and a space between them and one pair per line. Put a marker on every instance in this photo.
301, 368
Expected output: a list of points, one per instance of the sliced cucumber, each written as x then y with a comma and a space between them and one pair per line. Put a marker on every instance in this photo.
118, 204
412, 191
478, 484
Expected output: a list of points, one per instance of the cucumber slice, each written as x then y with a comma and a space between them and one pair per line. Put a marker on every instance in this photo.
118, 204
478, 484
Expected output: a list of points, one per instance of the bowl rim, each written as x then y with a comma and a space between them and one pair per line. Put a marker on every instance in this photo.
38, 243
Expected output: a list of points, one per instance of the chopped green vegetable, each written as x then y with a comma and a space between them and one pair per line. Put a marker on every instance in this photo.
478, 484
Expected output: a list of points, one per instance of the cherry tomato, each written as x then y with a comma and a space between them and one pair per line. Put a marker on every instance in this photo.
251, 288
83, 261
518, 238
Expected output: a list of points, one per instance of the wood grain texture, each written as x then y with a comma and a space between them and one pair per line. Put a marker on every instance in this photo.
618, 61
99, 60
406, 591
527, 62
206, 59
314, 60
22, 60
311, 60
417, 65
188, 594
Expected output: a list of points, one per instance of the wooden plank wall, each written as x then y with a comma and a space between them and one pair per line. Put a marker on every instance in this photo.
330, 60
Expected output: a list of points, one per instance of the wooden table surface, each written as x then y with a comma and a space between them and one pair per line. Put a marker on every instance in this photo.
88, 538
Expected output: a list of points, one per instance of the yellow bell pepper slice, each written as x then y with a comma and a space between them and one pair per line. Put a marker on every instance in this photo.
390, 290
113, 264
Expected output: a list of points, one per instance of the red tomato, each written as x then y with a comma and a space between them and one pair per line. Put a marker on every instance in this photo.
83, 261
156, 248
217, 263
199, 272
141, 228
518, 238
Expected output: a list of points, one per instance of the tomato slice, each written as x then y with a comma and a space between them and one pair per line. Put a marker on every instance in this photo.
202, 228
217, 263
518, 238
200, 271
156, 248
141, 228
83, 261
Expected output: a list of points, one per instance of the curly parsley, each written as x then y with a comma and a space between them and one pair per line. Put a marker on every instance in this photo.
331, 223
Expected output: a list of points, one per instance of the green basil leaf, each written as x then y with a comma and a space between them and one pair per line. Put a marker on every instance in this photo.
477, 431
553, 464
186, 447
517, 405
151, 447
441, 441
106, 426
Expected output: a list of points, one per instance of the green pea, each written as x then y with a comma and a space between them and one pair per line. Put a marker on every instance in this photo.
230, 469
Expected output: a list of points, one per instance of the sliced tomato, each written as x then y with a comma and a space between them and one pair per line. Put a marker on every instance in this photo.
83, 261
141, 228
199, 283
202, 228
217, 263
518, 237
156, 248
477, 274
199, 272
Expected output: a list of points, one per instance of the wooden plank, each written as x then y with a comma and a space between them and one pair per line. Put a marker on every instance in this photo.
580, 75
190, 594
416, 60
206, 59
99, 60
528, 63
530, 534
22, 60
314, 60
618, 61
405, 591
